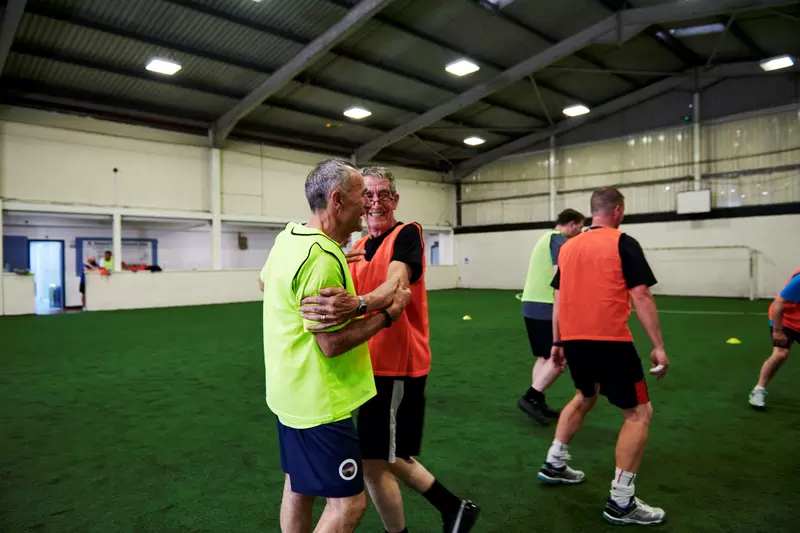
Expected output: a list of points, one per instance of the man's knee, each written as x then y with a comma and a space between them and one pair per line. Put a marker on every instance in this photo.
641, 414
780, 353
350, 509
587, 403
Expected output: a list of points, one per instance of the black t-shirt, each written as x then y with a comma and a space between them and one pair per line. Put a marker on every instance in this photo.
407, 249
635, 268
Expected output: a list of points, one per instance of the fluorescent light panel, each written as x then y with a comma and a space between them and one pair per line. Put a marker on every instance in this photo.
775, 63
474, 141
691, 31
575, 110
462, 67
357, 113
500, 3
163, 66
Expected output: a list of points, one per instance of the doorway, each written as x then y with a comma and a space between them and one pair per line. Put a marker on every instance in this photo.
46, 259
435, 253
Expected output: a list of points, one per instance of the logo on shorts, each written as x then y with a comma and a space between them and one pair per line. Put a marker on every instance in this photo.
348, 469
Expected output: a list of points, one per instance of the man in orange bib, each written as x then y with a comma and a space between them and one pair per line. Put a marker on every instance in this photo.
390, 424
599, 272
784, 321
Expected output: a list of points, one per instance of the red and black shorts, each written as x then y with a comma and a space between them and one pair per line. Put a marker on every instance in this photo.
614, 365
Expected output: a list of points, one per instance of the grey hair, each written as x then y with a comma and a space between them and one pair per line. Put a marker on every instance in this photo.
324, 178
380, 172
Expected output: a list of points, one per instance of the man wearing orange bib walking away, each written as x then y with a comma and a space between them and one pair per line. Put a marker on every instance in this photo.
599, 272
390, 424
784, 321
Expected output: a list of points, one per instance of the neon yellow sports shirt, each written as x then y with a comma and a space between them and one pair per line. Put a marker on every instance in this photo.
304, 388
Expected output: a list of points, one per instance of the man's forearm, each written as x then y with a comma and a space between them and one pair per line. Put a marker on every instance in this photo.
648, 316
777, 313
382, 297
556, 330
358, 332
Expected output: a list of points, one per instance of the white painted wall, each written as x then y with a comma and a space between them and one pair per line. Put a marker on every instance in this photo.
18, 294
500, 260
182, 245
258, 181
45, 164
142, 290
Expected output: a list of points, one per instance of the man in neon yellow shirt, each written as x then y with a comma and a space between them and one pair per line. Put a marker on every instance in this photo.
537, 310
315, 379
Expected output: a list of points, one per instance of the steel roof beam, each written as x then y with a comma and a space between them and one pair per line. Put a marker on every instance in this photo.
632, 17
353, 19
502, 15
12, 16
430, 39
743, 37
79, 20
403, 73
709, 77
183, 83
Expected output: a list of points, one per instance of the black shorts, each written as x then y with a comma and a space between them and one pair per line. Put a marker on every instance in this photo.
791, 336
540, 335
390, 424
614, 365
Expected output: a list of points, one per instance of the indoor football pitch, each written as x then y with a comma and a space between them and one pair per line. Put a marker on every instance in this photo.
155, 421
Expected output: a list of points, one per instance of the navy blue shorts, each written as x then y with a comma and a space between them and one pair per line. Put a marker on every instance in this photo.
324, 460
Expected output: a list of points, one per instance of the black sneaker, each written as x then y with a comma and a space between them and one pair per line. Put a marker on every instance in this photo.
464, 519
534, 410
550, 413
560, 476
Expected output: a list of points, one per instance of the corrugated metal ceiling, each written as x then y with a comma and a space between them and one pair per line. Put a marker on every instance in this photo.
393, 65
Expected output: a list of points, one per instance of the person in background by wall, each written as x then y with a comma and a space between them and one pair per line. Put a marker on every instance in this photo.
599, 273
784, 321
537, 310
89, 266
390, 425
316, 377
108, 261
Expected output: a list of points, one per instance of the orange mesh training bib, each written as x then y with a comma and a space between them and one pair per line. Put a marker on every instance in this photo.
791, 310
404, 348
594, 301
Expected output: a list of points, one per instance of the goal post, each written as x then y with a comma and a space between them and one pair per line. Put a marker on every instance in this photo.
718, 271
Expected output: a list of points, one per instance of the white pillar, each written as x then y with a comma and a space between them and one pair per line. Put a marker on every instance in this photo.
696, 137
117, 241
551, 168
215, 162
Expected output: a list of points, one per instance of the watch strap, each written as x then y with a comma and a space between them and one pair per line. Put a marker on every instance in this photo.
387, 316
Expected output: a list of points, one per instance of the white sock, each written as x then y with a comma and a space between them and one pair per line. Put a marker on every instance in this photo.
557, 454
757, 387
622, 487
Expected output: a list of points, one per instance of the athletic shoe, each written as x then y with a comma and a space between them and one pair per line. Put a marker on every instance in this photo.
550, 413
464, 519
758, 398
637, 512
534, 410
560, 476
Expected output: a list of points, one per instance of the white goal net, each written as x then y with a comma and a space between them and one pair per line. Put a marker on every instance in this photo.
724, 271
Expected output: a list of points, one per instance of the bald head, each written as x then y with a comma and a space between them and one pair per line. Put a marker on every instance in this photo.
605, 199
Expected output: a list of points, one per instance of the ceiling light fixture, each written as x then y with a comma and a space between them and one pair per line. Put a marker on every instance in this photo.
163, 66
776, 63
357, 113
576, 110
500, 3
462, 67
704, 29
474, 141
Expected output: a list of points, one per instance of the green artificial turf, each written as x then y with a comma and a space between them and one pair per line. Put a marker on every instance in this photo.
155, 420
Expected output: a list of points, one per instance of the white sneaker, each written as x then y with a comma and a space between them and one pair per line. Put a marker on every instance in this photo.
758, 397
637, 512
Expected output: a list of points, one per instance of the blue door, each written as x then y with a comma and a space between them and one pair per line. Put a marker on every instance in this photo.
47, 265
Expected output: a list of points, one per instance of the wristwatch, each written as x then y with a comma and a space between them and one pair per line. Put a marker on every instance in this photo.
387, 316
362, 306
558, 343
